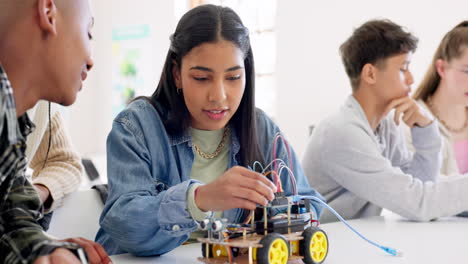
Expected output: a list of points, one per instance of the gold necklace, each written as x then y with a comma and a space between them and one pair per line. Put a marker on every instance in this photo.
218, 149
449, 128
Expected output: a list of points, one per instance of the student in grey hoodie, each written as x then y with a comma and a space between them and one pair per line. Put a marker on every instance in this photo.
357, 158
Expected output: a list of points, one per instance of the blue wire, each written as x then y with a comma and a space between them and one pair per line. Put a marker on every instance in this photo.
389, 250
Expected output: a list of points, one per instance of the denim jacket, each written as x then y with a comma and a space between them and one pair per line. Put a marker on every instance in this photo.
149, 175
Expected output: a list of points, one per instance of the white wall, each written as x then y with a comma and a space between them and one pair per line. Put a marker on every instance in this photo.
311, 80
90, 119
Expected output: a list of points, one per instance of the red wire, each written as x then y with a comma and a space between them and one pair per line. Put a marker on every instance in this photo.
275, 167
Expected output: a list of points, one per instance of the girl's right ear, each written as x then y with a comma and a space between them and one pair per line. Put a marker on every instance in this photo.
176, 74
440, 66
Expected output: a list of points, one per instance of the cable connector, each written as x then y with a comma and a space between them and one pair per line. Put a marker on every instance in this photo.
296, 198
392, 251
389, 250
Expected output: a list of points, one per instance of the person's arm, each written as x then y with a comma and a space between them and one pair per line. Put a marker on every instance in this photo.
406, 131
349, 156
142, 214
196, 213
61, 174
426, 160
23, 239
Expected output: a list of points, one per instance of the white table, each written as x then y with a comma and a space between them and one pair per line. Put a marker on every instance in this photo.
78, 217
441, 241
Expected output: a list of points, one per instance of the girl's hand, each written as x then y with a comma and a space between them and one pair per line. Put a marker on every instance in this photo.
238, 187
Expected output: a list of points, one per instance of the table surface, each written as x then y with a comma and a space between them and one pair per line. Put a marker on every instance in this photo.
441, 241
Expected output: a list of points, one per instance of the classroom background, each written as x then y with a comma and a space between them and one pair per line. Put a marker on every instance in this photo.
300, 77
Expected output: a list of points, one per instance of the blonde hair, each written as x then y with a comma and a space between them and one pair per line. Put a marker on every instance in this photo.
451, 46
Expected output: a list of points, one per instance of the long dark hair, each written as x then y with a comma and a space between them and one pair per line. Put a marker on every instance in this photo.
451, 47
208, 24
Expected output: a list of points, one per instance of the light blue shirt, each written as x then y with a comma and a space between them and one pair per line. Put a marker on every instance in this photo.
149, 176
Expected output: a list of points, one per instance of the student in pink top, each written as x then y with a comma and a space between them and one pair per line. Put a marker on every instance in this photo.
444, 92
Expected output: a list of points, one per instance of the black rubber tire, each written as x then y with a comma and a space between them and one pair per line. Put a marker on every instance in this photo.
234, 250
264, 252
203, 250
304, 245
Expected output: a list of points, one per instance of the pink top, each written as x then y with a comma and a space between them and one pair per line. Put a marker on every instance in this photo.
461, 154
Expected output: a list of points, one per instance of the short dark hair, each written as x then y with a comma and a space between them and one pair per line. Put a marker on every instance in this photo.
373, 42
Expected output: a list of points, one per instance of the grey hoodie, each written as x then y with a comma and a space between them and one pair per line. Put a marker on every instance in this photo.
360, 172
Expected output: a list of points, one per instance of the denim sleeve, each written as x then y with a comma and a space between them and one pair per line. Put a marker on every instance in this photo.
268, 128
142, 214
194, 211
